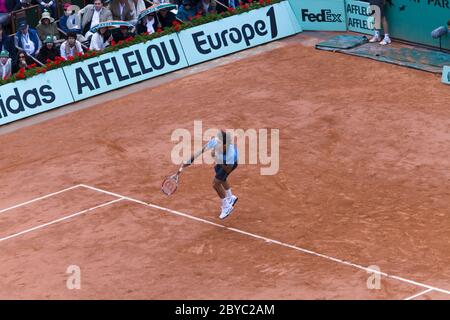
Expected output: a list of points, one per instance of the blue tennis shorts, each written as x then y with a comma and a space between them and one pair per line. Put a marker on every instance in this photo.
221, 174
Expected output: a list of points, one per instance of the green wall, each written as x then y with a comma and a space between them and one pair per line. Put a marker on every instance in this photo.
413, 20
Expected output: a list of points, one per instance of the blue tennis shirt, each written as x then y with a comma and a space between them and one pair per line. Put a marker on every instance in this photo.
231, 156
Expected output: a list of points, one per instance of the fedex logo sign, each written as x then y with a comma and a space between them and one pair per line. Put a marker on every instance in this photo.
325, 15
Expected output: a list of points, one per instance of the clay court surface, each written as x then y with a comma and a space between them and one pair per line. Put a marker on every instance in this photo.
364, 180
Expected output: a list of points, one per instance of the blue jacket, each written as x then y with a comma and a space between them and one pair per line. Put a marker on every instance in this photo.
63, 25
33, 37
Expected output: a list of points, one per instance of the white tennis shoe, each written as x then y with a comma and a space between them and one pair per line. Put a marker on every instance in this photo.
386, 41
375, 39
232, 200
226, 210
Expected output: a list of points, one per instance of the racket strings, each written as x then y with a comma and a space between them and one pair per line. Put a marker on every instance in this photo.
170, 185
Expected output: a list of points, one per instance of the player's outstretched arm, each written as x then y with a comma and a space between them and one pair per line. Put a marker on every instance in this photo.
209, 145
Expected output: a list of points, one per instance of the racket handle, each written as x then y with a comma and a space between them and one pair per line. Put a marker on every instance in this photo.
195, 156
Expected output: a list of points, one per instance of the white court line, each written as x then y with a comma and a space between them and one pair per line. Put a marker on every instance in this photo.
347, 263
152, 205
419, 294
60, 219
40, 198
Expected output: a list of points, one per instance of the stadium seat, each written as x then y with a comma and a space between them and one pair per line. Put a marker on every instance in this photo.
31, 14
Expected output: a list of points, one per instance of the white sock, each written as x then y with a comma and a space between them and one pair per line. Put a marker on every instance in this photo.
386, 35
377, 34
228, 193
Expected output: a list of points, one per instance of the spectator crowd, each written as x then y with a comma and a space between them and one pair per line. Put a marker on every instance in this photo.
69, 31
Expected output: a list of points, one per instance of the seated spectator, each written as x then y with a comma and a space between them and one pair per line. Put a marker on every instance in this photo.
47, 5
101, 39
166, 18
121, 10
93, 14
207, 6
188, 9
71, 46
27, 39
47, 27
62, 23
5, 65
6, 7
70, 22
22, 61
147, 24
122, 33
48, 50
137, 6
5, 42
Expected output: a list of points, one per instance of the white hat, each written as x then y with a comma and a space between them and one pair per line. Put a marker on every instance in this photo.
46, 15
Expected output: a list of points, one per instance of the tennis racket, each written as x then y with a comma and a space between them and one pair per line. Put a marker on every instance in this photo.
170, 184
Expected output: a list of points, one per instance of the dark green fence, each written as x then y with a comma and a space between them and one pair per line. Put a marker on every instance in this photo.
413, 20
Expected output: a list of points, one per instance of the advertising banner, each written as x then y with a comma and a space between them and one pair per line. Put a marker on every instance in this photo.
28, 97
125, 66
145, 60
238, 32
320, 14
446, 75
358, 14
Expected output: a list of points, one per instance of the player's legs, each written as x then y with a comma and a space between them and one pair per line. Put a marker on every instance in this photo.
386, 39
377, 35
385, 25
226, 206
226, 186
217, 185
218, 179
228, 194
220, 184
378, 3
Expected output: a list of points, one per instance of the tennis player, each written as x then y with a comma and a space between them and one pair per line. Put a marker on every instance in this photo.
226, 156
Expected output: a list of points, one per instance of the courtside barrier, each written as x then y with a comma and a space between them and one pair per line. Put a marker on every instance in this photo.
246, 30
143, 61
28, 97
324, 15
125, 66
411, 20
414, 20
358, 13
446, 75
